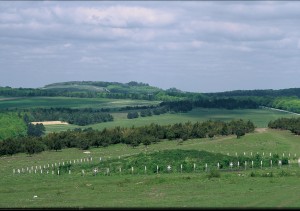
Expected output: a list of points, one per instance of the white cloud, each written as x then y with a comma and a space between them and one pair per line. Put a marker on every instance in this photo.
231, 30
122, 16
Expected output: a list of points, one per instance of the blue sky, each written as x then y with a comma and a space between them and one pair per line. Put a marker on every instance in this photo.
199, 46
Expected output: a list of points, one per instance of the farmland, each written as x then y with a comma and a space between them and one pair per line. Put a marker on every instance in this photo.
39, 185
67, 102
260, 118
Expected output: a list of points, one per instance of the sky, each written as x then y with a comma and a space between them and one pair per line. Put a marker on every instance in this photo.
197, 46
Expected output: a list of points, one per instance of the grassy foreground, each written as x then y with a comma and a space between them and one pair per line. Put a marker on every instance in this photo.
270, 187
236, 189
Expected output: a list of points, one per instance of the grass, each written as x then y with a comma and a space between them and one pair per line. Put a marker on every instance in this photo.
144, 191
231, 189
260, 117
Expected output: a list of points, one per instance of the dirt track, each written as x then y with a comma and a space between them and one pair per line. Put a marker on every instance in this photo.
51, 123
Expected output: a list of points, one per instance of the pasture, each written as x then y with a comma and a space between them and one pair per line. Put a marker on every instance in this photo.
267, 187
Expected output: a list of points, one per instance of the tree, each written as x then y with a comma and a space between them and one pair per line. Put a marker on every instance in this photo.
132, 115
240, 132
35, 130
33, 145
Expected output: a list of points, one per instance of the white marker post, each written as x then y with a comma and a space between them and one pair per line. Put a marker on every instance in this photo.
120, 169
251, 153
279, 163
299, 162
100, 159
270, 154
236, 154
69, 171
231, 164
245, 165
14, 171
238, 164
218, 165
261, 164
252, 163
271, 163
169, 168
82, 172
244, 153
205, 166
181, 168
194, 167
145, 169
157, 169
132, 169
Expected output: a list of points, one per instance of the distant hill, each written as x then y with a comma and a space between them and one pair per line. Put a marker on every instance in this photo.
108, 87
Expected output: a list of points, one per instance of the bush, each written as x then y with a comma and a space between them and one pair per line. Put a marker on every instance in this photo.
214, 173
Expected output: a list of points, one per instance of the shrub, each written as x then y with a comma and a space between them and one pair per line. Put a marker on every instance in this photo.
214, 173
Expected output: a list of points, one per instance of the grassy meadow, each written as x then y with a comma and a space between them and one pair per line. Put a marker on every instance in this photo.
267, 187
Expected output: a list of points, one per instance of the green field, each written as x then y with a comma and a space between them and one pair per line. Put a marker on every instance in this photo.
231, 189
260, 118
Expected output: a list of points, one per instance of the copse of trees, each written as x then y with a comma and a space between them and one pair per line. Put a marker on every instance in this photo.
291, 124
73, 116
134, 136
147, 112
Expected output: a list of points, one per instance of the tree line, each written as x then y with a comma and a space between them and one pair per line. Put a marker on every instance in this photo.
73, 116
147, 112
134, 136
227, 103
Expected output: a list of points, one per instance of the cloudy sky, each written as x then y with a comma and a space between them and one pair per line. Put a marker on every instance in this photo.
200, 46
